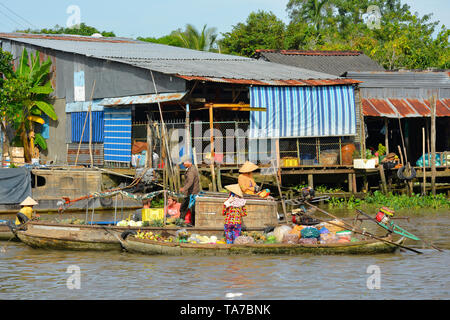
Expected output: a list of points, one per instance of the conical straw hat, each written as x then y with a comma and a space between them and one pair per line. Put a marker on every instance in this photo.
248, 167
29, 201
235, 188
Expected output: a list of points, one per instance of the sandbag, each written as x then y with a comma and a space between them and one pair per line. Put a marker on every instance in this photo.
279, 232
244, 240
307, 241
290, 238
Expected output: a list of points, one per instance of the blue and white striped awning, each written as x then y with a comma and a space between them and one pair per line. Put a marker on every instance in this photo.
291, 112
117, 140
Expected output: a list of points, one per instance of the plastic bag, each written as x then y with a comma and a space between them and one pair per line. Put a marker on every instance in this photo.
279, 232
290, 238
244, 240
310, 232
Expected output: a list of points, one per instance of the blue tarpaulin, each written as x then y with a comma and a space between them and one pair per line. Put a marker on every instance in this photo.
78, 122
117, 143
15, 185
296, 112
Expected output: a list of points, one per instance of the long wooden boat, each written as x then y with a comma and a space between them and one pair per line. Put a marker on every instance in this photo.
50, 235
6, 233
133, 244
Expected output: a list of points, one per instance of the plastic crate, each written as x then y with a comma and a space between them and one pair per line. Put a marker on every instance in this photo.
152, 214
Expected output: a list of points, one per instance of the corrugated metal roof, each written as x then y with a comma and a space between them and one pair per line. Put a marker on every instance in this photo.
402, 79
312, 52
180, 61
331, 62
143, 99
404, 108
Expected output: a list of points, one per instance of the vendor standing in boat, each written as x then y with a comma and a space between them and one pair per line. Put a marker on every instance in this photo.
245, 179
191, 188
233, 210
26, 212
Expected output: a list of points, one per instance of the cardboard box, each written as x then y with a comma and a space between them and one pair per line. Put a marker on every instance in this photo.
18, 160
365, 163
17, 152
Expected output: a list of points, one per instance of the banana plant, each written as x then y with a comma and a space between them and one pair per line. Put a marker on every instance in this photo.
35, 103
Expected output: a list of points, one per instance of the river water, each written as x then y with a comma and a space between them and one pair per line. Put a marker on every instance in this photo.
27, 273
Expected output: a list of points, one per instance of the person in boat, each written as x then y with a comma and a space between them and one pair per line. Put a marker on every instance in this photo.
245, 179
233, 210
191, 188
173, 208
26, 212
139, 213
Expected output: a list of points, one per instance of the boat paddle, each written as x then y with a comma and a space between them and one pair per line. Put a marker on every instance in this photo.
362, 232
393, 231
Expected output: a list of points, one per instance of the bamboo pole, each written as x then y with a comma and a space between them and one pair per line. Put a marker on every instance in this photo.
211, 135
386, 134
433, 143
424, 190
84, 125
354, 229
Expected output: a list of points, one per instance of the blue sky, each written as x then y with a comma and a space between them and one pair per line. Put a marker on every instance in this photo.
133, 18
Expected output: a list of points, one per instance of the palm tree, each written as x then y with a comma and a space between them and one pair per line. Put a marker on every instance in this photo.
193, 39
34, 103
310, 11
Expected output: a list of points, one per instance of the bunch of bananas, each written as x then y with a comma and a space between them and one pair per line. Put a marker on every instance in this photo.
152, 236
258, 237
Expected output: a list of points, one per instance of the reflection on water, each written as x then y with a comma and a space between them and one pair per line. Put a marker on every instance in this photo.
27, 273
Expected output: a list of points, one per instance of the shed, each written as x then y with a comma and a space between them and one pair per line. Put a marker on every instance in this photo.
391, 98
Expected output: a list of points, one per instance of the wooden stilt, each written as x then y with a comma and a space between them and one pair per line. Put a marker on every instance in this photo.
433, 143
424, 190
211, 135
383, 178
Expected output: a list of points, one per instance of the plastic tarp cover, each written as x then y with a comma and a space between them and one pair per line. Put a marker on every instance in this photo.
15, 185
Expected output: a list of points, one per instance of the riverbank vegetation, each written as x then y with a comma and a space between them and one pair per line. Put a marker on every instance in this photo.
396, 202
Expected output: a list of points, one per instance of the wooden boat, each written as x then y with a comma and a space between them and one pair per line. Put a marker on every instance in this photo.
6, 233
209, 221
50, 235
133, 244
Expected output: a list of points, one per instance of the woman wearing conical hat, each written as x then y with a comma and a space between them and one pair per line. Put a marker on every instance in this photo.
245, 179
233, 210
26, 212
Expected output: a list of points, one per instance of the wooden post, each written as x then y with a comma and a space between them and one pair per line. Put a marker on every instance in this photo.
433, 143
211, 135
311, 180
386, 134
424, 190
362, 127
355, 189
298, 152
383, 178
149, 162
277, 149
401, 156
350, 183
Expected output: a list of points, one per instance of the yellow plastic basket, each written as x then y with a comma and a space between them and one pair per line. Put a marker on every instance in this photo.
152, 214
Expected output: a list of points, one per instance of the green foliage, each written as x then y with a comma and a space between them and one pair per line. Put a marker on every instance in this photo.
83, 30
404, 39
397, 202
262, 30
23, 97
156, 223
157, 202
416, 201
180, 222
203, 40
171, 39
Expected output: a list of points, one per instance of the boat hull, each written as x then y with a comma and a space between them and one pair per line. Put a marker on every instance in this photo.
136, 245
92, 237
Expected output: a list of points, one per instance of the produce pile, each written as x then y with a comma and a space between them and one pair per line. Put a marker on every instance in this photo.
72, 221
129, 223
325, 232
